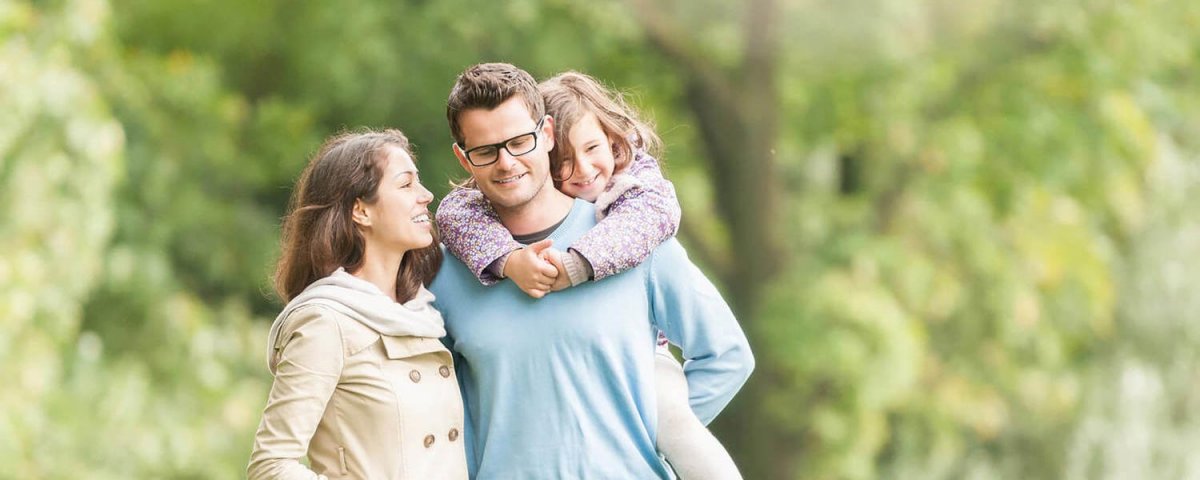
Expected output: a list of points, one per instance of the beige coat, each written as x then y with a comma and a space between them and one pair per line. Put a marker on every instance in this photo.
359, 404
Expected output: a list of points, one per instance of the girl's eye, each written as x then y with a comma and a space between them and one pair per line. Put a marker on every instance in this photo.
593, 147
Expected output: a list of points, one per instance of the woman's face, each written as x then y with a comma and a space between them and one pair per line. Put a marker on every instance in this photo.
592, 157
399, 219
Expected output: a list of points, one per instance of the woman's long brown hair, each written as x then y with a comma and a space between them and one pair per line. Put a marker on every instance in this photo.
318, 233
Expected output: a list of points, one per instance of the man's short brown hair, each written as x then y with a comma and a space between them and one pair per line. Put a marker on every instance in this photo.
486, 86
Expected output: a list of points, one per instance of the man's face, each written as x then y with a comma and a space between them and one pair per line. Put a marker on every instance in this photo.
511, 181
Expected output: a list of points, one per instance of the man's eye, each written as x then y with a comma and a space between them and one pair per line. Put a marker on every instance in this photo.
518, 142
487, 151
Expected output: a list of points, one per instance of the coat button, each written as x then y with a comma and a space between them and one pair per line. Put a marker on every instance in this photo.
453, 434
415, 376
445, 371
428, 441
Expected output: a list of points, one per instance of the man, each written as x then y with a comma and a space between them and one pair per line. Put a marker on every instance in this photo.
563, 386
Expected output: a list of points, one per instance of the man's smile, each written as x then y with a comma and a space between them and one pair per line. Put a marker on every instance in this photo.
507, 180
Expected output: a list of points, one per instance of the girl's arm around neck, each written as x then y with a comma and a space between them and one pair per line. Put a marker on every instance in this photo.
472, 231
640, 211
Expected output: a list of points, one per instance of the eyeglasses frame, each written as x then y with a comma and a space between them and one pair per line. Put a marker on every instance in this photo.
504, 144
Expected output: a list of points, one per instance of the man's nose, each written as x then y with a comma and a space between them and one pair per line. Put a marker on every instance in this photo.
505, 160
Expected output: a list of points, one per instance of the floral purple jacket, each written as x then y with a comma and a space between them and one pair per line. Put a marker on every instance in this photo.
638, 211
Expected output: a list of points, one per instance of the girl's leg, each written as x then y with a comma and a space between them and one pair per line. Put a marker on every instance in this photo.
691, 449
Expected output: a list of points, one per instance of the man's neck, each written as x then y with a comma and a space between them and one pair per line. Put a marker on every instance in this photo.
538, 214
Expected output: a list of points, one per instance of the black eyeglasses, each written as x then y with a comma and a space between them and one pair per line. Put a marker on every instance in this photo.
485, 155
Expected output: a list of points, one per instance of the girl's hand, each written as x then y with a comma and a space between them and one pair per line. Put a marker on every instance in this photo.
530, 270
563, 280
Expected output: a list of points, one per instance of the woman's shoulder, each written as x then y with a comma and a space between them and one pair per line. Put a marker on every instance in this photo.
323, 318
310, 314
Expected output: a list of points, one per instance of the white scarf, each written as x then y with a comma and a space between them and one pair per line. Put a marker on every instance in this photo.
362, 301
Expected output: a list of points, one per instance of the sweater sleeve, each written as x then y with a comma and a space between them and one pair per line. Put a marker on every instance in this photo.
689, 310
472, 231
642, 216
306, 375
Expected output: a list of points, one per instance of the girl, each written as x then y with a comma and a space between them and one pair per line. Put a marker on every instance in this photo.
603, 154
363, 385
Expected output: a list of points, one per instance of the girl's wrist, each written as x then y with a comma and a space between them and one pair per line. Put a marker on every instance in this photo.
578, 269
497, 267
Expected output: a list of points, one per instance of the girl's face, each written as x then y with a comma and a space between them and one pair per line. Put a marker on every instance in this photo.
592, 157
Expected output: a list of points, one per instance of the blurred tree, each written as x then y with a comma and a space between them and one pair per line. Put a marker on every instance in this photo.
116, 370
61, 151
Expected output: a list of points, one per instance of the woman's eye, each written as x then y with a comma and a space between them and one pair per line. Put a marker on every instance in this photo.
593, 147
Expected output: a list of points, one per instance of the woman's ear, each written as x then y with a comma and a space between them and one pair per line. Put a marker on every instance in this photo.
359, 214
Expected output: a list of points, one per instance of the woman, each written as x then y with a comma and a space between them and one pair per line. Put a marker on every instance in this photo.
363, 385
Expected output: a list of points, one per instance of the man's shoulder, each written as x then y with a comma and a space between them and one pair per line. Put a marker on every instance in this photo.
669, 262
452, 273
668, 253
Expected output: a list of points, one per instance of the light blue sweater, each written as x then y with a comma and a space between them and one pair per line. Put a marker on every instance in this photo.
563, 386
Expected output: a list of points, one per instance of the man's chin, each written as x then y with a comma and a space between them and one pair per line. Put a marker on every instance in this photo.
504, 198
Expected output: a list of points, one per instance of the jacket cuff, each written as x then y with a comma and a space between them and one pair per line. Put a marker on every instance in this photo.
496, 268
578, 268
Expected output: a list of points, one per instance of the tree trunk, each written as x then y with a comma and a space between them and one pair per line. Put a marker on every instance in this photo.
737, 114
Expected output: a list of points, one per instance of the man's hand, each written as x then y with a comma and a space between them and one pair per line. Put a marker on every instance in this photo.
531, 271
563, 280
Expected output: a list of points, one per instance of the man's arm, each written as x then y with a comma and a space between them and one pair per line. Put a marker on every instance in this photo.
690, 311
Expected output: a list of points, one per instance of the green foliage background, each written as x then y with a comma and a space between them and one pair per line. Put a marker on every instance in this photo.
980, 218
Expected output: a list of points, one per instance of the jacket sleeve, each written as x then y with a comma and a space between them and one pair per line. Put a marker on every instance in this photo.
472, 231
309, 367
690, 311
639, 219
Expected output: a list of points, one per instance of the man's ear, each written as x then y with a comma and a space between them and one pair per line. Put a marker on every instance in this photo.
359, 214
548, 131
462, 157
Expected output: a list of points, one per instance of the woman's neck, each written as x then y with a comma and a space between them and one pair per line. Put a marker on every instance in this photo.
381, 270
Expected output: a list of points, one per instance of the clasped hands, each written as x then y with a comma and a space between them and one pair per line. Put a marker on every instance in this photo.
537, 269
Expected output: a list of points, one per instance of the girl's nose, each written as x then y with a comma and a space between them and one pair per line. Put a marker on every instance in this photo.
586, 169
